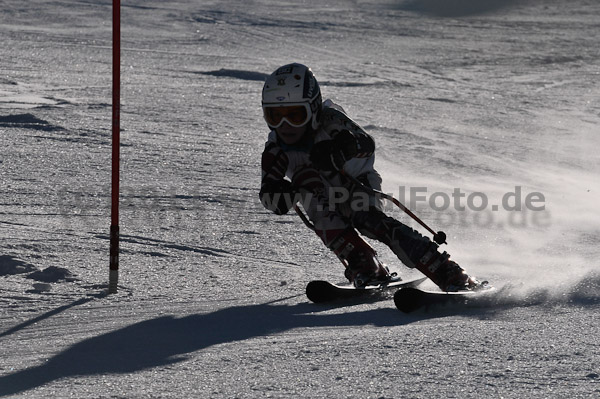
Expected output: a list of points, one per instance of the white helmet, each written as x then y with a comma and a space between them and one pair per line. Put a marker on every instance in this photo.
292, 94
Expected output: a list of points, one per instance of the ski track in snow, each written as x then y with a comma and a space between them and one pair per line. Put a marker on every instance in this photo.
483, 96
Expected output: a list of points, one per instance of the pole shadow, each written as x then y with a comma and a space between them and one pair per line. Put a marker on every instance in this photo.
46, 315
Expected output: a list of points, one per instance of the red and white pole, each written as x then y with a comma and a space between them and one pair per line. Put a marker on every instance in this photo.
116, 138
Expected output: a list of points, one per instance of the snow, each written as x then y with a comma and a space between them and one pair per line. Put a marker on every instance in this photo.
482, 96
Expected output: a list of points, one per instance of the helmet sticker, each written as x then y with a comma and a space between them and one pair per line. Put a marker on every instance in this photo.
309, 91
285, 70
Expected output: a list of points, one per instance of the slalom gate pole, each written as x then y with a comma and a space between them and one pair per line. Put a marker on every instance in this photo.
116, 139
439, 237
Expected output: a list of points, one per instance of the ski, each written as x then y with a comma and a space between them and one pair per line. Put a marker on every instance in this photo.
409, 299
319, 291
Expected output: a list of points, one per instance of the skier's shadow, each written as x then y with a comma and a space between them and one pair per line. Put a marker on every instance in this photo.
166, 340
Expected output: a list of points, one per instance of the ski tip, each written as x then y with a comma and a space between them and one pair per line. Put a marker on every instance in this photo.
408, 299
318, 291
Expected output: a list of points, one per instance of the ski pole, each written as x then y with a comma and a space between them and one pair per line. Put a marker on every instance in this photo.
304, 217
439, 237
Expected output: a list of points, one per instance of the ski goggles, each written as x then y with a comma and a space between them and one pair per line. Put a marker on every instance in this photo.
296, 115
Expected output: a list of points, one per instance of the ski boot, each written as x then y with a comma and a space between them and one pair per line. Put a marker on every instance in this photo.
362, 265
445, 273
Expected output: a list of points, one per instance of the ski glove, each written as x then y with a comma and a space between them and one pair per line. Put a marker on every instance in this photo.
277, 195
331, 155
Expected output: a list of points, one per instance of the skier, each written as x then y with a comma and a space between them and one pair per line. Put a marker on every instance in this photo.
311, 150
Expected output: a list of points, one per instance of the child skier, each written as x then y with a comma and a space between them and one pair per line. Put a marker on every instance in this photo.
311, 150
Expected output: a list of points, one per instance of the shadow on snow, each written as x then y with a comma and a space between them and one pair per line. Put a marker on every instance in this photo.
457, 8
166, 340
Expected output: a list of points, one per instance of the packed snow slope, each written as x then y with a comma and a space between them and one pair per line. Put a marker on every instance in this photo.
488, 109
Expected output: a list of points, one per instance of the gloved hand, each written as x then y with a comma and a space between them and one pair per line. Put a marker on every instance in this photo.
277, 195
332, 154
